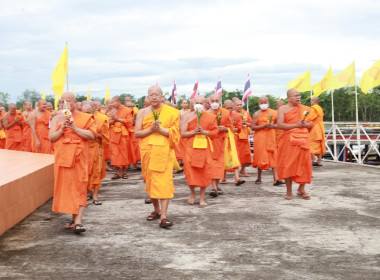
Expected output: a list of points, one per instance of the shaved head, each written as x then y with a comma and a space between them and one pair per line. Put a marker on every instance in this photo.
12, 106
294, 97
229, 105
280, 103
68, 96
155, 88
315, 100
199, 99
228, 102
263, 99
215, 98
87, 108
238, 105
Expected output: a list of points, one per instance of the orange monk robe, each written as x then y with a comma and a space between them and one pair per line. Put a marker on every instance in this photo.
2, 131
14, 134
42, 131
294, 149
198, 163
120, 146
242, 141
97, 165
317, 134
134, 150
157, 153
26, 134
219, 144
264, 147
236, 123
71, 154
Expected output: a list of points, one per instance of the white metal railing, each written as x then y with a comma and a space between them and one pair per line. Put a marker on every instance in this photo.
342, 136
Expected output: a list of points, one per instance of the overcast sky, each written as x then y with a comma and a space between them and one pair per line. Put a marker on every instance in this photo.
132, 44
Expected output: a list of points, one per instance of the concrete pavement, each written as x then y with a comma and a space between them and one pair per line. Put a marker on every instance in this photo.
251, 232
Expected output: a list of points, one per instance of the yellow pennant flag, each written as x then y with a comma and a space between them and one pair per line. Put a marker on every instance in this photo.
302, 83
371, 78
43, 95
323, 84
344, 78
58, 76
89, 94
108, 96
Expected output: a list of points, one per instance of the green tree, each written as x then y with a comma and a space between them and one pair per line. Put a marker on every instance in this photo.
4, 98
28, 95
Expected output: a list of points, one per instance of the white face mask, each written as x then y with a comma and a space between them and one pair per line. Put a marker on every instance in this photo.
263, 106
215, 106
198, 107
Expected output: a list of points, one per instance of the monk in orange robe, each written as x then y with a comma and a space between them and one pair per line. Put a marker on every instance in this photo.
198, 128
12, 122
317, 134
121, 120
224, 122
278, 131
107, 151
236, 129
70, 133
294, 162
26, 131
242, 138
158, 128
2, 131
134, 149
39, 124
264, 147
97, 167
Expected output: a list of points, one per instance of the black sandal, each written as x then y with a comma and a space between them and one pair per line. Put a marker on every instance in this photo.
70, 225
116, 176
96, 202
165, 223
213, 193
79, 228
258, 182
220, 191
153, 216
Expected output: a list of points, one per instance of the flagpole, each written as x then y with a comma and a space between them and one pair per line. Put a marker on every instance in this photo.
67, 76
357, 125
333, 124
247, 104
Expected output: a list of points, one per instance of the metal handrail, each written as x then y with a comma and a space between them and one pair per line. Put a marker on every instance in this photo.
354, 136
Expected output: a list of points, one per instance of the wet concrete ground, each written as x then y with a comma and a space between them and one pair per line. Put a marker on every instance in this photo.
251, 232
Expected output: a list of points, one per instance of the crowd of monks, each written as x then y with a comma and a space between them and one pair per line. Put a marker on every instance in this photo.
204, 139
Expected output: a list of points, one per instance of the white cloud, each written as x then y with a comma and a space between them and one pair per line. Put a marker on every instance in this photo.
131, 45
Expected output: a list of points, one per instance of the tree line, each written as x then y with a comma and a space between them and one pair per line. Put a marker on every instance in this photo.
344, 102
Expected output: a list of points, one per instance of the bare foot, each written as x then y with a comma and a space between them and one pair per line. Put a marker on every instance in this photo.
244, 174
223, 181
288, 197
202, 203
191, 200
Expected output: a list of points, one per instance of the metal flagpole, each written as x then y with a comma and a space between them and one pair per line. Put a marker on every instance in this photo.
357, 125
333, 124
67, 66
247, 104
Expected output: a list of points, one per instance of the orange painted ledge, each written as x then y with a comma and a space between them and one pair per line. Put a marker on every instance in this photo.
26, 182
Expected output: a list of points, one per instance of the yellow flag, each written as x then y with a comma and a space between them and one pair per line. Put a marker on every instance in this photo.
323, 84
371, 78
43, 95
344, 78
56, 101
89, 94
58, 76
108, 96
302, 83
